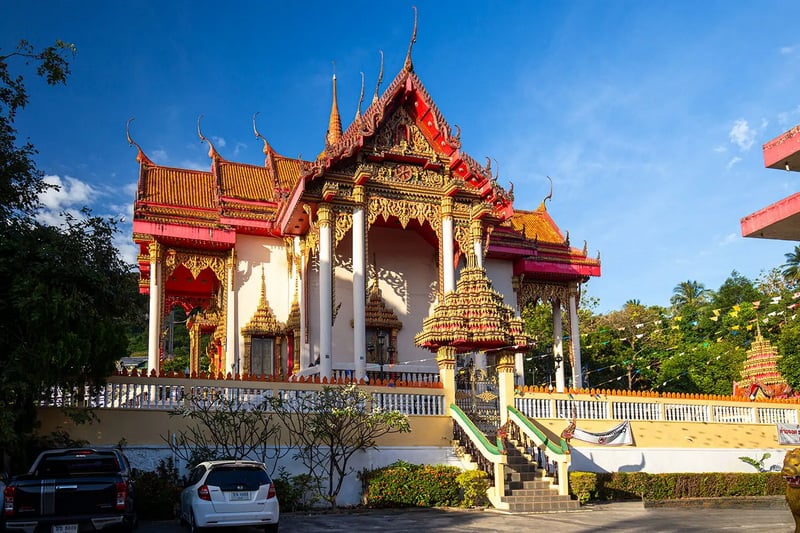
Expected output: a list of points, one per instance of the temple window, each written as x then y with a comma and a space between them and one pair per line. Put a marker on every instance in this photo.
262, 356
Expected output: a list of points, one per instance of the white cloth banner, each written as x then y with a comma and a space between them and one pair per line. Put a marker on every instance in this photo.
788, 433
620, 435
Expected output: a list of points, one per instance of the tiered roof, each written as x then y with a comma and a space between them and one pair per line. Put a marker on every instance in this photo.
473, 317
760, 367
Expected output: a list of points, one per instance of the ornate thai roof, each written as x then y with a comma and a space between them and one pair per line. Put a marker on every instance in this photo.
407, 88
263, 321
761, 365
536, 225
539, 248
377, 314
230, 194
473, 317
293, 322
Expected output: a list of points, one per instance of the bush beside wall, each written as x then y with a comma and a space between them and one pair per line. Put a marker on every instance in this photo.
588, 486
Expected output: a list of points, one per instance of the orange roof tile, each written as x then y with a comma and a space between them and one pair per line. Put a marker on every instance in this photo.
178, 187
536, 225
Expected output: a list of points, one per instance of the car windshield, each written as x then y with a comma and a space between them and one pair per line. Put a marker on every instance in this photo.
237, 477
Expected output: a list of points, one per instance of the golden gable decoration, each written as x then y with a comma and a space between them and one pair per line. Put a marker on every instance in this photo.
263, 322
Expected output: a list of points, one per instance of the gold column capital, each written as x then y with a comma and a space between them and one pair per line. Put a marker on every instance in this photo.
476, 229
359, 195
446, 357
324, 214
156, 251
447, 206
505, 362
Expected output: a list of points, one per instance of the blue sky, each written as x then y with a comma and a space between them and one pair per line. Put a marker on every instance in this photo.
649, 116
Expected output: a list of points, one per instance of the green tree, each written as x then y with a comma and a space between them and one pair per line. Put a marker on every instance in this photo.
66, 297
328, 427
689, 293
219, 427
736, 289
791, 268
789, 348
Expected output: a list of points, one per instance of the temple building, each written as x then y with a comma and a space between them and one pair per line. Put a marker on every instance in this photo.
780, 220
390, 253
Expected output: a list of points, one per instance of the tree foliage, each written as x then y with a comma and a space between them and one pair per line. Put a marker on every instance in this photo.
328, 427
65, 295
218, 427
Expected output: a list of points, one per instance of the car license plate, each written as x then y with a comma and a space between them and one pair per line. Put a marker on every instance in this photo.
65, 528
240, 496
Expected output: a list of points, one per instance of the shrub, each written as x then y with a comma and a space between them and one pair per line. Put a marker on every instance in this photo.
294, 492
473, 484
158, 493
586, 486
583, 485
403, 484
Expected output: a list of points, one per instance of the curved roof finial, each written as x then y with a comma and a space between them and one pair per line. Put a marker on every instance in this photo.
140, 157
409, 66
380, 80
550, 194
267, 147
360, 98
212, 152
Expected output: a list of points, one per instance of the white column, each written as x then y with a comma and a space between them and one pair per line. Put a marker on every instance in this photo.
575, 339
325, 292
305, 357
231, 340
476, 231
359, 287
558, 348
448, 272
519, 369
154, 326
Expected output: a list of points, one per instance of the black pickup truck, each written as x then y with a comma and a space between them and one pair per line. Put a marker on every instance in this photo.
70, 491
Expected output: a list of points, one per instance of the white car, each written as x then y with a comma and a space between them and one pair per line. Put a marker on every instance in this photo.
223, 494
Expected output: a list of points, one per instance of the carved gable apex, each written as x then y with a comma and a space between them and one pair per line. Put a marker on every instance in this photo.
399, 135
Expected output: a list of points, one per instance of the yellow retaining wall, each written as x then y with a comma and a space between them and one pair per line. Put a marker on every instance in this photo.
150, 427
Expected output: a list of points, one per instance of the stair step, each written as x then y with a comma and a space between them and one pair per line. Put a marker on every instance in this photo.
572, 505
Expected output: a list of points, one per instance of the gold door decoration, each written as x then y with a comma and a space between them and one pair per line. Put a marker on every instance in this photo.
263, 324
405, 212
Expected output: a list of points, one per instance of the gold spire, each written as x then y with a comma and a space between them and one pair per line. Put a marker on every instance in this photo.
335, 122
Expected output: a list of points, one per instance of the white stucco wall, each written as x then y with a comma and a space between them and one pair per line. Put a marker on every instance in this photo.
252, 254
146, 458
500, 273
664, 460
407, 272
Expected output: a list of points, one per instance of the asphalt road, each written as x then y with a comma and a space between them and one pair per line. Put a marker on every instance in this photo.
626, 516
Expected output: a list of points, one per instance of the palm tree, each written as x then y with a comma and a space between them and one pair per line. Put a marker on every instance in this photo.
791, 269
689, 293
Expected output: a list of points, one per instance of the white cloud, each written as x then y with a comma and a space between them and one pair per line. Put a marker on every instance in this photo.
194, 165
742, 135
238, 148
218, 141
159, 156
733, 161
730, 238
67, 193
788, 50
720, 149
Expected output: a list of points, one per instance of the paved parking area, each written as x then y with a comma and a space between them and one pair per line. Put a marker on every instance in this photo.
626, 516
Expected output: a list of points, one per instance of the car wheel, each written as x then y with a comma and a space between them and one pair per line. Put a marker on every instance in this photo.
193, 524
271, 528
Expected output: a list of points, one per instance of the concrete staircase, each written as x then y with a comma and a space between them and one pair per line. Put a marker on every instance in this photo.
528, 489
